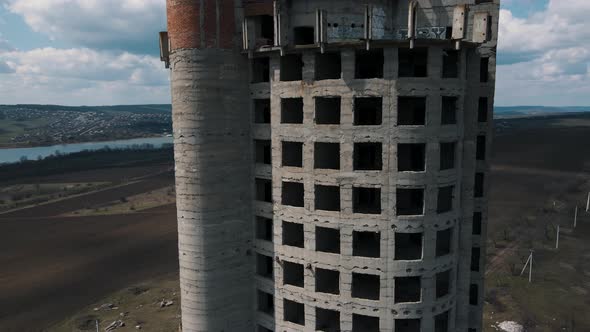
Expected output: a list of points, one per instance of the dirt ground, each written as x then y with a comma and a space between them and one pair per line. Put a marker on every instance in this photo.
53, 266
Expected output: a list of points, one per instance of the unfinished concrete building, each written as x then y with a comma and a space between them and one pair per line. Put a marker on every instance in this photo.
332, 162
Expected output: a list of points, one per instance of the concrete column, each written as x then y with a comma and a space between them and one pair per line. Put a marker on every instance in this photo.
213, 167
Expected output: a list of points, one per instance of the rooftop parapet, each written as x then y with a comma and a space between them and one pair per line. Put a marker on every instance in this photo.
297, 23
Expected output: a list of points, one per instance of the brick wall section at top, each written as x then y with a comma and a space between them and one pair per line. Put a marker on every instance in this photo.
184, 23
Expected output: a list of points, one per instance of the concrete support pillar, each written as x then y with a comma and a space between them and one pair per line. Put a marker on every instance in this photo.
214, 192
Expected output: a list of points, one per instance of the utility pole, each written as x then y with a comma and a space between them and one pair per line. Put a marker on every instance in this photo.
529, 263
576, 217
557, 238
588, 203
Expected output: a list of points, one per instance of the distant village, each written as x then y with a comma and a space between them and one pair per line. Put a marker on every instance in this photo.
35, 125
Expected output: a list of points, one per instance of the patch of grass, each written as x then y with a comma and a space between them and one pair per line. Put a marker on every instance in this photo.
138, 305
131, 204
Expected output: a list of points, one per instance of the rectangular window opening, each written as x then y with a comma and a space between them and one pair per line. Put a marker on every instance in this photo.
327, 281
366, 200
368, 111
291, 67
292, 110
327, 240
328, 66
263, 152
482, 109
293, 234
264, 229
304, 35
368, 156
480, 151
293, 274
473, 294
413, 62
369, 64
411, 157
266, 303
410, 201
443, 242
293, 194
411, 111
292, 154
447, 155
361, 323
264, 266
365, 286
441, 322
261, 110
366, 244
449, 111
443, 284
479, 185
327, 110
408, 289
327, 320
450, 64
407, 325
475, 258
408, 246
477, 218
484, 70
445, 199
326, 155
327, 198
294, 312
264, 190
261, 70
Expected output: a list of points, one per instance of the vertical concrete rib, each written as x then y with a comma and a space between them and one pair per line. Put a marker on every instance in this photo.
211, 133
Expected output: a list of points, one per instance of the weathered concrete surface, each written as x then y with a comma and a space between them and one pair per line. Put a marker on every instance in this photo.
213, 189
209, 99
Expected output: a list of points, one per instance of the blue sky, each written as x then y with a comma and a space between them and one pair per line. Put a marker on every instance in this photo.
100, 52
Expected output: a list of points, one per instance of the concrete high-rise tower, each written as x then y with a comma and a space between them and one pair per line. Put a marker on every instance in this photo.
332, 162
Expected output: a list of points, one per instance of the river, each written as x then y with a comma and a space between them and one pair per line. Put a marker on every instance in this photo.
14, 155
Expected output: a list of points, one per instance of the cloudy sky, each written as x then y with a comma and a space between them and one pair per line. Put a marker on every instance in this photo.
102, 52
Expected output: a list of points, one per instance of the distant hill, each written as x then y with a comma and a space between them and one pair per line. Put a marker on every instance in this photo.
530, 111
148, 108
499, 111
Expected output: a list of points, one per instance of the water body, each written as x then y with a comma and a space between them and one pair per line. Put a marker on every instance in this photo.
14, 155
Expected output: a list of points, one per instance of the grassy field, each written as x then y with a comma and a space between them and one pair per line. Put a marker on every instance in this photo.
22, 195
135, 203
139, 306
11, 128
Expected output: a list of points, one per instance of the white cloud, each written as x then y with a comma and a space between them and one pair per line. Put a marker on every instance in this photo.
107, 24
544, 58
82, 76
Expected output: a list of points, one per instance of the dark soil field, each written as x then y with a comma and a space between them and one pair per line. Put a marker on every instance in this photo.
52, 266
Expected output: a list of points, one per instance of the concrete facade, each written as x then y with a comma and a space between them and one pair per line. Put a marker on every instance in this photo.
331, 162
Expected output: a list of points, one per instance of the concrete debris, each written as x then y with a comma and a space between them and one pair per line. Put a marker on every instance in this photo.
509, 326
165, 303
114, 325
106, 306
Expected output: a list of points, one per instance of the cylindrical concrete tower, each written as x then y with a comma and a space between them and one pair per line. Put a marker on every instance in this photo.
332, 162
211, 137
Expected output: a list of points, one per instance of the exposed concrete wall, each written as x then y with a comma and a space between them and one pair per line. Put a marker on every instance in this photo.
213, 166
213, 189
215, 129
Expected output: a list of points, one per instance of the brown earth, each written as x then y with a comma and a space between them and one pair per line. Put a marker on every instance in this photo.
53, 266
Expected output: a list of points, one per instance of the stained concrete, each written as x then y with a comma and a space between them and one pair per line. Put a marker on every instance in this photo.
215, 131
